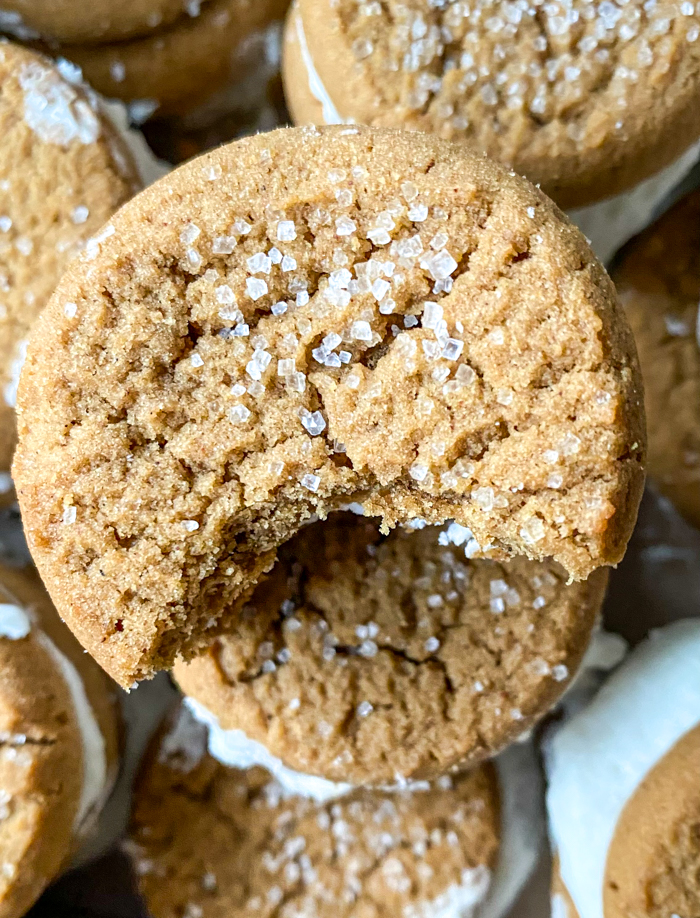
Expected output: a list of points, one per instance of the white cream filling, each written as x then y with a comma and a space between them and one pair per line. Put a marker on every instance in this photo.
596, 761
15, 624
522, 821
318, 90
96, 782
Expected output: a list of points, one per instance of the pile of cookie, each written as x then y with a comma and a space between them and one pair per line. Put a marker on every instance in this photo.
343, 425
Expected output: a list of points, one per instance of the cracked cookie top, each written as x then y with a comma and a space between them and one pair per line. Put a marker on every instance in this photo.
209, 840
299, 320
58, 742
585, 97
658, 278
367, 659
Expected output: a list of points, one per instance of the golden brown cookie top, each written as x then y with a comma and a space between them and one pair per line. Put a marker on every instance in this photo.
215, 841
92, 22
47, 794
63, 172
362, 658
298, 320
658, 277
572, 94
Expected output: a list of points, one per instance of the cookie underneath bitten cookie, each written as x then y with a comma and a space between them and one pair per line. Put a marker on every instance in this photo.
64, 170
658, 278
59, 752
362, 658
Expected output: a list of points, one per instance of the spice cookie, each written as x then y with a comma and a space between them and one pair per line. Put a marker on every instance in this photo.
586, 99
623, 797
63, 172
299, 320
363, 657
180, 68
658, 278
59, 743
209, 839
91, 22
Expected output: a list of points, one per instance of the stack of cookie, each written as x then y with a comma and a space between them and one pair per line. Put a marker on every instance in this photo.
164, 57
296, 326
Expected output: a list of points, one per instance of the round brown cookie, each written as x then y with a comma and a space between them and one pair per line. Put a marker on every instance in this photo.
182, 67
213, 841
364, 657
63, 172
584, 98
562, 906
92, 22
48, 798
653, 865
658, 277
299, 320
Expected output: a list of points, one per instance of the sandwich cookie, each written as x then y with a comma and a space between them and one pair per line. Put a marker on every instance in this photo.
59, 742
365, 658
586, 99
297, 321
658, 278
64, 170
623, 797
209, 838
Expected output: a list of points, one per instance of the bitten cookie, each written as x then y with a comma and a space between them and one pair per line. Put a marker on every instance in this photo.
658, 278
182, 67
91, 22
362, 658
209, 839
303, 319
583, 98
624, 796
59, 750
63, 172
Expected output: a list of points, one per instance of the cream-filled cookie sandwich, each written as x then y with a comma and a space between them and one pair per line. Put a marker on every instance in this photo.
623, 794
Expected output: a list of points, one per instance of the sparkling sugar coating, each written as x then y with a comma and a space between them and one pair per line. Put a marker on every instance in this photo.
368, 853
541, 84
140, 442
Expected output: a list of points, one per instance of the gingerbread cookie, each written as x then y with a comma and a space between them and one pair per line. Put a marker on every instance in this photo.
180, 68
363, 657
658, 278
59, 742
211, 839
584, 99
299, 320
623, 797
63, 172
91, 22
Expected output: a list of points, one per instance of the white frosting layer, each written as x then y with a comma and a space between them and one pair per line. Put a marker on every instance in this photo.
522, 820
596, 761
96, 783
234, 748
522, 827
331, 115
14, 622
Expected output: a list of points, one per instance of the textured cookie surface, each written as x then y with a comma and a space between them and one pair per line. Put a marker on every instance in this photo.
658, 278
303, 319
41, 764
216, 841
87, 21
569, 93
181, 67
362, 658
63, 172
